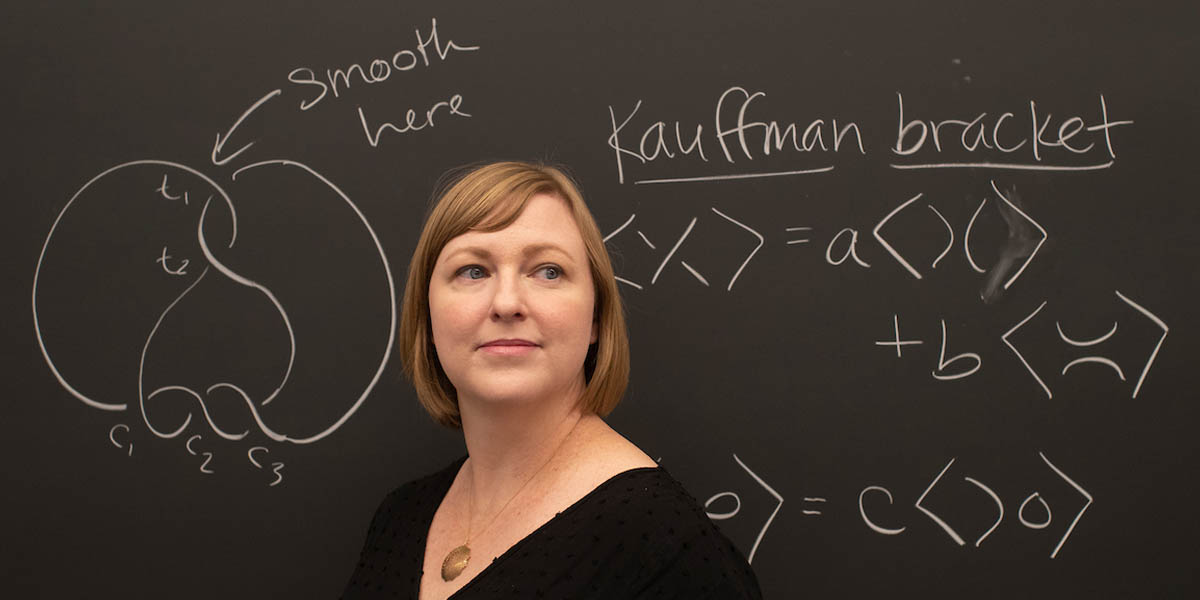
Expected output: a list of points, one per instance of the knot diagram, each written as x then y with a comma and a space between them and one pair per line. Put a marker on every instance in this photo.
261, 314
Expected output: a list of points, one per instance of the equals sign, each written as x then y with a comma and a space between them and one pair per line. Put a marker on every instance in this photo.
809, 511
798, 241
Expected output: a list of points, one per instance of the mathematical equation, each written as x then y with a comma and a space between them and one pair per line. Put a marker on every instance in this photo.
968, 363
1025, 237
1033, 512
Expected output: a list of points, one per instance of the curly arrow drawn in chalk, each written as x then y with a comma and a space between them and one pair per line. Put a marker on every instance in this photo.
220, 143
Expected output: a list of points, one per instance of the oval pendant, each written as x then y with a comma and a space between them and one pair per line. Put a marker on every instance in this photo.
455, 562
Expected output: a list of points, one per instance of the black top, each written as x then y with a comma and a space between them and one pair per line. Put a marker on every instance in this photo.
637, 535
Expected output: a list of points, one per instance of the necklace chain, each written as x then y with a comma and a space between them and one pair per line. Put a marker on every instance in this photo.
456, 561
471, 495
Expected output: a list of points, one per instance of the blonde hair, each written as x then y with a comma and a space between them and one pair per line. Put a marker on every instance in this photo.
489, 198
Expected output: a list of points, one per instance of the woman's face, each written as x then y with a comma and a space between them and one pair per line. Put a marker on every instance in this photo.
512, 310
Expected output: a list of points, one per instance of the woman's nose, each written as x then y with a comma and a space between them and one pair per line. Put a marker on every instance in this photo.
508, 301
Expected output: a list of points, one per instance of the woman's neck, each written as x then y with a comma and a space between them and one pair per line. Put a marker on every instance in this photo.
509, 445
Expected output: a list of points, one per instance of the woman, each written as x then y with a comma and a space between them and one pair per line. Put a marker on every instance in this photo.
513, 331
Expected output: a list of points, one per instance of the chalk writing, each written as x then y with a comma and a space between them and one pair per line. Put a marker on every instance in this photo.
378, 70
1025, 237
737, 135
975, 361
897, 342
666, 260
726, 505
162, 189
954, 143
220, 143
738, 505
915, 137
1140, 311
173, 181
180, 270
991, 494
208, 456
813, 501
412, 119
112, 437
851, 248
1019, 245
276, 467
940, 372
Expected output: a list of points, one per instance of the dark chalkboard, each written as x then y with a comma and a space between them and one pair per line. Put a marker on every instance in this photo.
910, 285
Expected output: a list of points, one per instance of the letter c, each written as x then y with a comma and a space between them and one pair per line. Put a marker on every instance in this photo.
863, 512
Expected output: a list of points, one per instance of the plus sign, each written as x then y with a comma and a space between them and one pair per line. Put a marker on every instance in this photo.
898, 342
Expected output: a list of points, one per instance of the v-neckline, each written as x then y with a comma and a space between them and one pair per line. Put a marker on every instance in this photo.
453, 469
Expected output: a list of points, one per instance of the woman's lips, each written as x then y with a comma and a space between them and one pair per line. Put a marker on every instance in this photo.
508, 347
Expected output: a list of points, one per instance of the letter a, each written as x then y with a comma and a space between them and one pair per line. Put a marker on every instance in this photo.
851, 249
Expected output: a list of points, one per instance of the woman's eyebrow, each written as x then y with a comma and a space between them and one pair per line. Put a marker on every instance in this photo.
527, 252
534, 249
472, 250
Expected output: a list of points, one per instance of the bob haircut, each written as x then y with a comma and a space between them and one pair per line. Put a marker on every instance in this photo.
489, 198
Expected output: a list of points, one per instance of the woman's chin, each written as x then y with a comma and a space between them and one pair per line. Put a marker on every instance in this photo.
518, 392
516, 396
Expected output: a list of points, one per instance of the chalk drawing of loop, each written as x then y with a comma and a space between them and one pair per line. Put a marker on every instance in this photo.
1095, 359
1029, 524
391, 338
726, 515
203, 408
112, 436
37, 276
218, 198
1084, 343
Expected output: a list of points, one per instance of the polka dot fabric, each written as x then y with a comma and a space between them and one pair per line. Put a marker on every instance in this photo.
637, 535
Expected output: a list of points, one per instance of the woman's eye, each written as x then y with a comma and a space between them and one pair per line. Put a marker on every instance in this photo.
551, 272
472, 272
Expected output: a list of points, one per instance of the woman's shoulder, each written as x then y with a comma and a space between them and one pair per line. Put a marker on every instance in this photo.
651, 497
691, 556
643, 513
669, 540
622, 478
599, 452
